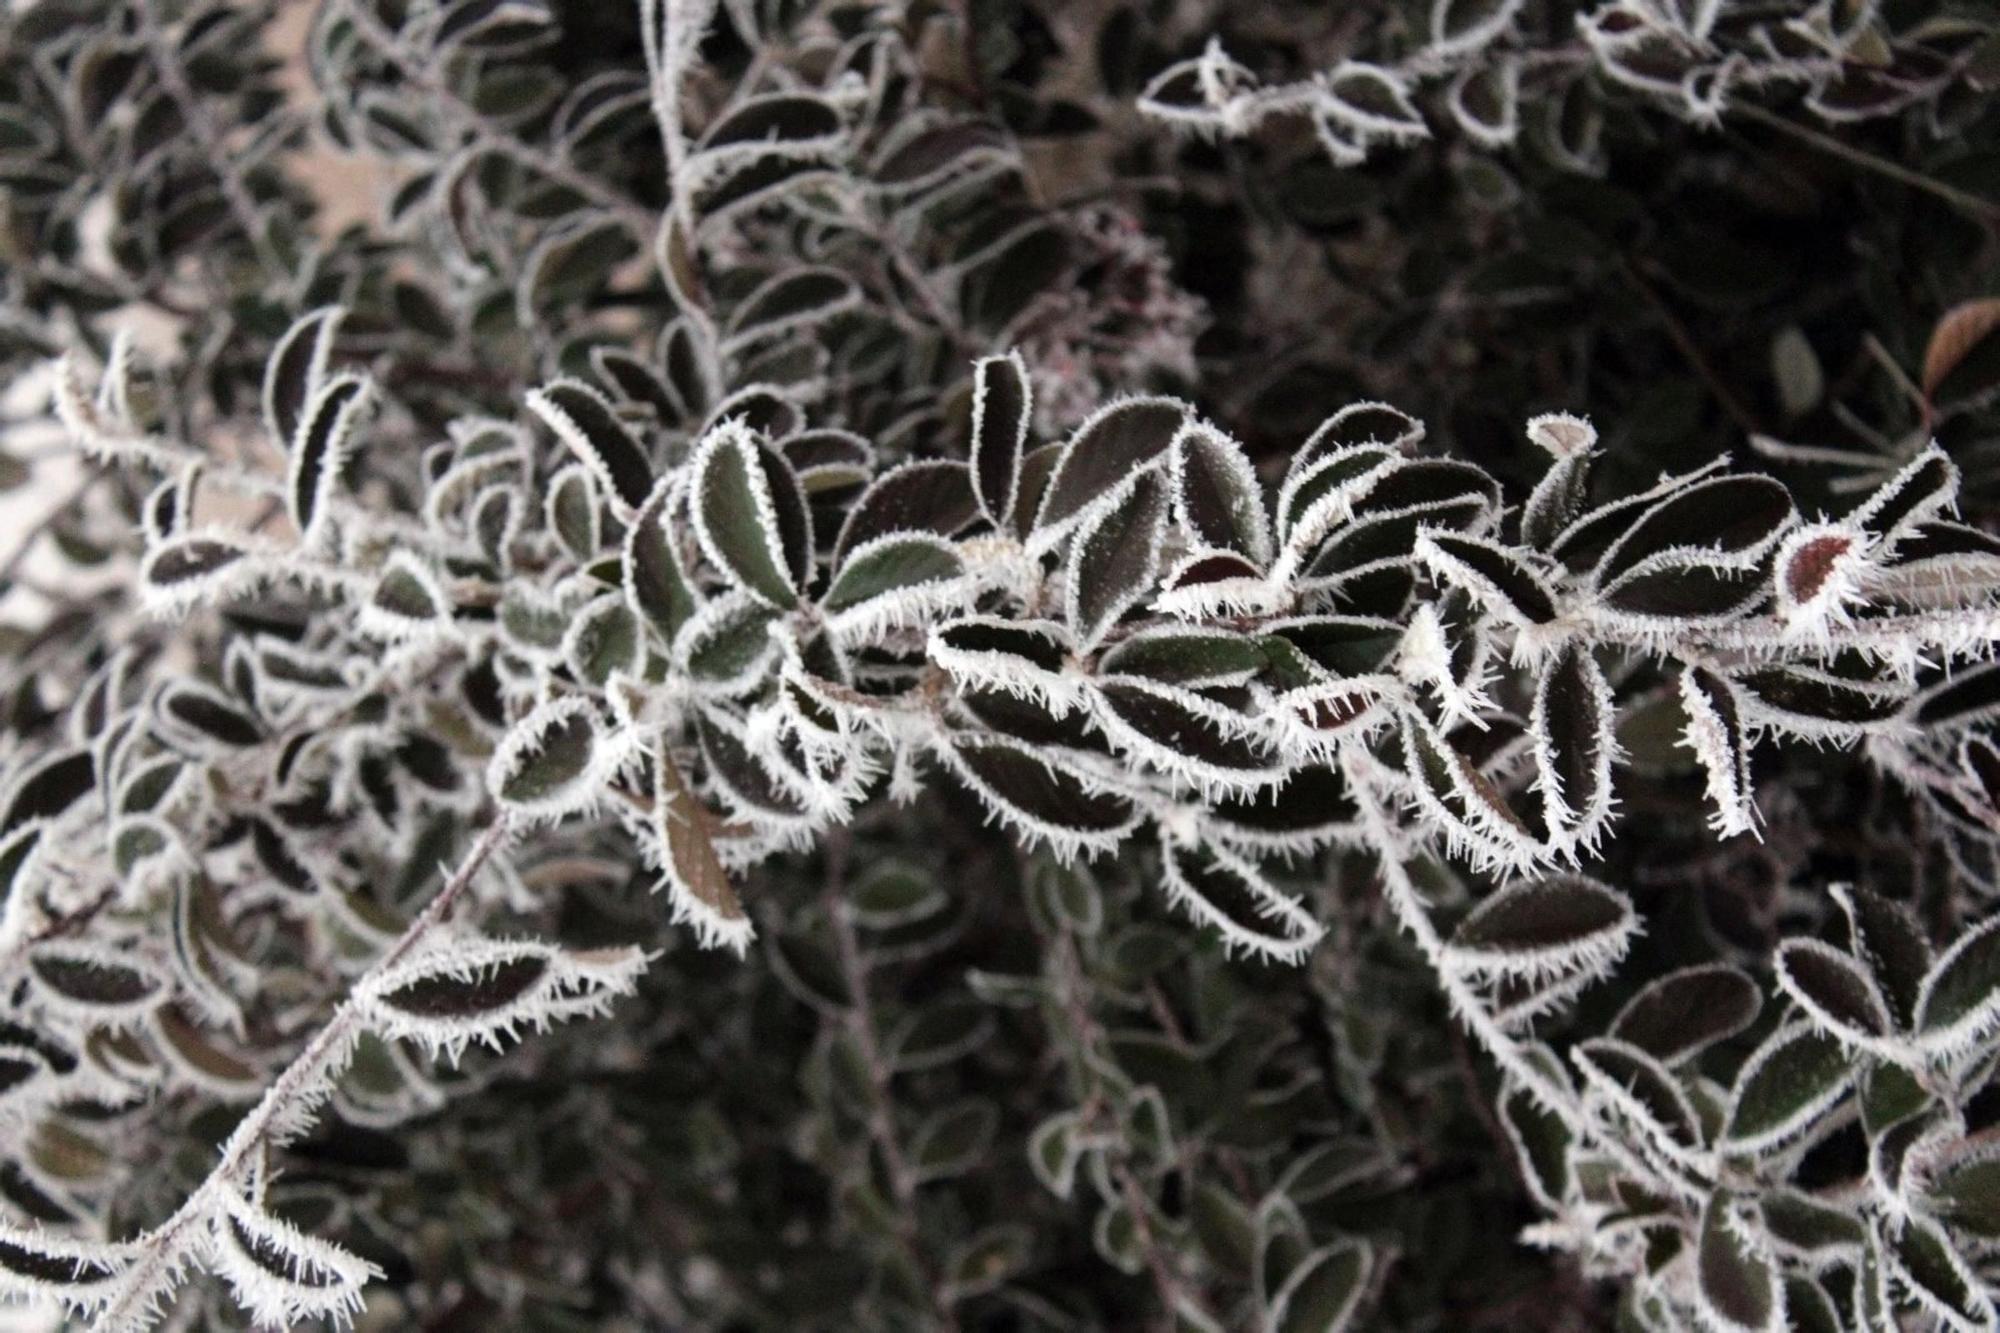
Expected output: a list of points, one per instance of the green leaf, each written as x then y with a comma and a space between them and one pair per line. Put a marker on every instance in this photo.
939, 1033
891, 564
583, 419
955, 1140
1055, 1148
1678, 1015
1110, 445
546, 764
655, 584
1737, 1283
1787, 1084
604, 638
1002, 407
751, 515
1115, 558
1929, 1267
1562, 923
1960, 1001
1324, 1291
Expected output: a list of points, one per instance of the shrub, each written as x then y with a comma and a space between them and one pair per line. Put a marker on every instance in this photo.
795, 546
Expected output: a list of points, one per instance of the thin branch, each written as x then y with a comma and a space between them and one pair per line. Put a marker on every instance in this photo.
288, 1101
1984, 211
881, 1114
1691, 351
225, 162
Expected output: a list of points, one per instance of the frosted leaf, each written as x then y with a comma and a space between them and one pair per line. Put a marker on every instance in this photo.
1314, 722
1737, 1282
95, 984
1505, 584
656, 585
280, 1275
750, 514
931, 495
1325, 1289
787, 302
1185, 655
1114, 558
698, 885
1207, 583
408, 602
196, 568
1210, 93
1572, 727
1373, 101
1103, 456
1321, 494
1924, 1263
1646, 1096
554, 761
1221, 889
1460, 27
897, 581
1485, 102
726, 648
1835, 991
296, 370
1043, 796
1715, 733
1187, 735
1820, 705
46, 1266
604, 639
572, 514
1678, 1015
1474, 815
585, 420
1960, 1000
1924, 489
1789, 1082
459, 991
1820, 575
319, 454
1556, 926
1218, 499
1023, 658
1002, 409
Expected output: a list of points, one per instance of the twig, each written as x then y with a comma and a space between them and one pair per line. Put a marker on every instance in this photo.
228, 169
881, 1118
1984, 211
293, 1095
389, 46
1691, 351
